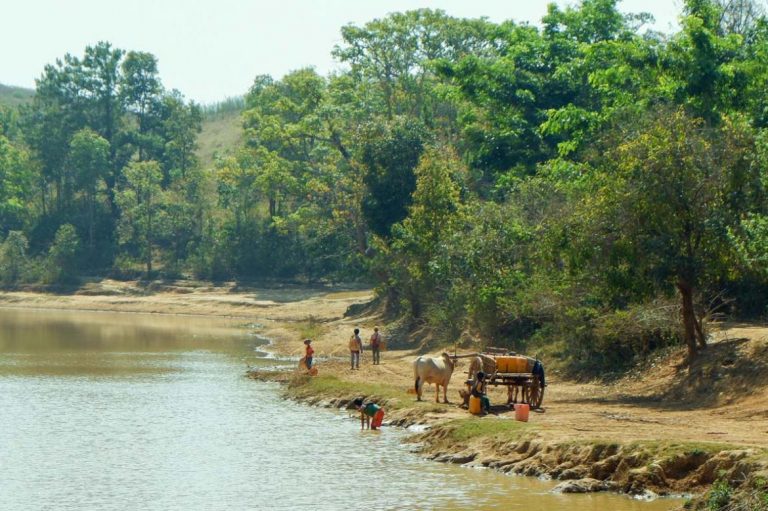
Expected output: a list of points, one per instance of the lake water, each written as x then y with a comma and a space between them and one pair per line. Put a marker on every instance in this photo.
106, 411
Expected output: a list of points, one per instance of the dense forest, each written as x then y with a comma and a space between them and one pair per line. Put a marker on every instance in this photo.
587, 186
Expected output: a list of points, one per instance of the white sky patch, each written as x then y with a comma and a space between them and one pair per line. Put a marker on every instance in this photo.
210, 50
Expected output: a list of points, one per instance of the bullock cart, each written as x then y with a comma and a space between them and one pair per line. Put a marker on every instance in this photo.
523, 376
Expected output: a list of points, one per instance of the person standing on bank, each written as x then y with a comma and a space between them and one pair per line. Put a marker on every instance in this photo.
355, 347
309, 353
376, 346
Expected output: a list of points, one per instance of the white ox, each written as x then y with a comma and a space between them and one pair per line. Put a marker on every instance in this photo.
433, 370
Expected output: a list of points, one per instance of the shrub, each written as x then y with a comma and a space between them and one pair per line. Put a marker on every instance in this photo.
719, 495
13, 257
63, 255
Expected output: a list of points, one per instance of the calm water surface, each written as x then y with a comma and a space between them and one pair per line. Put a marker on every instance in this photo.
147, 412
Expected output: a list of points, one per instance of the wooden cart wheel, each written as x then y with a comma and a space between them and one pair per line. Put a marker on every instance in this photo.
536, 394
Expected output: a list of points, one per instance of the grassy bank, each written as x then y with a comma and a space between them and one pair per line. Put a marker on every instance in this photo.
643, 467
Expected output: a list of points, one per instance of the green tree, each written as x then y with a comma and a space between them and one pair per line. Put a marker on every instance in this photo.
300, 134
142, 201
189, 208
56, 113
13, 257
236, 178
750, 239
678, 187
89, 160
180, 124
16, 175
702, 65
394, 54
390, 154
63, 255
140, 92
435, 208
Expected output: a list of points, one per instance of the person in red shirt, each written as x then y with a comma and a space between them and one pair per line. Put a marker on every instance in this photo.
309, 353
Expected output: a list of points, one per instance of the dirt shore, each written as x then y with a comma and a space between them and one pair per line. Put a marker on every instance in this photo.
666, 428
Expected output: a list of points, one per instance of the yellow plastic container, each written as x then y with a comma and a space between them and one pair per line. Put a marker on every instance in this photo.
512, 365
503, 364
475, 407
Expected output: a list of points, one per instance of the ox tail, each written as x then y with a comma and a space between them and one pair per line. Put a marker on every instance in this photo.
416, 385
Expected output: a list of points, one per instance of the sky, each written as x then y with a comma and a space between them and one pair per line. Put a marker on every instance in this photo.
212, 49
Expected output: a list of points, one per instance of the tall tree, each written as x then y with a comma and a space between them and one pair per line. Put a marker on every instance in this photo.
140, 92
179, 125
394, 53
16, 180
435, 208
141, 200
56, 113
89, 161
101, 69
677, 187
13, 257
390, 154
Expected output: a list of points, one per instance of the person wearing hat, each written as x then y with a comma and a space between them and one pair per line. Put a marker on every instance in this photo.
478, 390
309, 353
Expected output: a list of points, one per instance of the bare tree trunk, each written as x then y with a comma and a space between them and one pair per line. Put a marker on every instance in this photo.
700, 337
43, 202
689, 318
149, 236
91, 216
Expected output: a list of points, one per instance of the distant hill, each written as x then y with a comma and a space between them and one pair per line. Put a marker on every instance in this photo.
221, 121
15, 96
222, 129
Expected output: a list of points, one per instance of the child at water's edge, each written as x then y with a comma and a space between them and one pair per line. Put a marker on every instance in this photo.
309, 353
371, 414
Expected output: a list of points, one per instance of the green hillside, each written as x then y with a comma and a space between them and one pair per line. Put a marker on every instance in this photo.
222, 129
221, 122
15, 96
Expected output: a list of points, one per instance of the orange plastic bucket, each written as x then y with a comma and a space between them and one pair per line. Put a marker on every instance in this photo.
521, 412
475, 406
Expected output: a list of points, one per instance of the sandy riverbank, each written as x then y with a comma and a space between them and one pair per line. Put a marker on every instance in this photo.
665, 429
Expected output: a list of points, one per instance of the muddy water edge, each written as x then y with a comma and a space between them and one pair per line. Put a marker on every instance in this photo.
119, 411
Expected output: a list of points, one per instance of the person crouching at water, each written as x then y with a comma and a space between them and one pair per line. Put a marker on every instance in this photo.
355, 347
478, 390
310, 352
371, 414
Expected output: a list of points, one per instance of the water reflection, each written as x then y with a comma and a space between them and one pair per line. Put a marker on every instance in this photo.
117, 412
